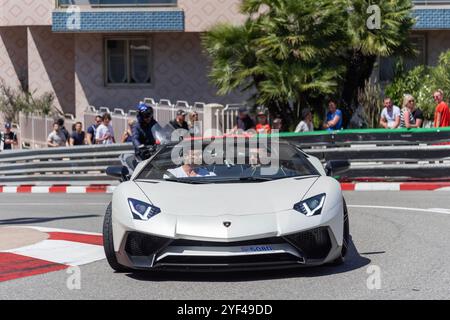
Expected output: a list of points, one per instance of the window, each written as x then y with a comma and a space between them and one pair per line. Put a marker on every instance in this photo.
128, 61
387, 65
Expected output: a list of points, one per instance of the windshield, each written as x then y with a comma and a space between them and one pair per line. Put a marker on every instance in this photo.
220, 162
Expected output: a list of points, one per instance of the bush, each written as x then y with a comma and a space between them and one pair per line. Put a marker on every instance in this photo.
421, 82
14, 101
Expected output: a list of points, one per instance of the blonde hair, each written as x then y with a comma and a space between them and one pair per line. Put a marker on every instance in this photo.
191, 117
406, 99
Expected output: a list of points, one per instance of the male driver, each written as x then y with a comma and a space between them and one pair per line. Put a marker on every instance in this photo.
442, 113
390, 116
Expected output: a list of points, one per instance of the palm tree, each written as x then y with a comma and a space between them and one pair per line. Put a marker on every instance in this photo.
285, 53
368, 43
290, 54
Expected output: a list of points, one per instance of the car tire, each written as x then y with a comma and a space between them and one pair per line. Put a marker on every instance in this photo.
108, 242
346, 239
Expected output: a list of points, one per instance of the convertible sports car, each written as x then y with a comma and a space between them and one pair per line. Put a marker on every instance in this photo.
226, 210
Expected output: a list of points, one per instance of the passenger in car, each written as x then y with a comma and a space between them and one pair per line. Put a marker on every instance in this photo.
189, 169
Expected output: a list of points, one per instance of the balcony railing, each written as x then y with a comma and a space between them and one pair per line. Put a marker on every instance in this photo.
115, 3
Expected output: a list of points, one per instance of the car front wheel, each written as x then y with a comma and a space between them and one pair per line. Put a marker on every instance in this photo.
108, 242
346, 239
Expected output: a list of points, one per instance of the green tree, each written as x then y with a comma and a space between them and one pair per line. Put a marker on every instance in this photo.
421, 82
286, 54
14, 101
291, 54
380, 31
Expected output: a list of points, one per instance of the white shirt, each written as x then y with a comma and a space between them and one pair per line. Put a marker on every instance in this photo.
180, 173
103, 131
390, 116
304, 127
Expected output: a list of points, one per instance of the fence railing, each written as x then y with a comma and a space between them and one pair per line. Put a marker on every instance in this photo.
34, 129
406, 155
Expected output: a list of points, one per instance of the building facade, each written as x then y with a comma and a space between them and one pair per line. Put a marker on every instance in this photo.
111, 52
116, 52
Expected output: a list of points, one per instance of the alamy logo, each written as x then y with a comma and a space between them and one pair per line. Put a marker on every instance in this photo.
73, 21
374, 280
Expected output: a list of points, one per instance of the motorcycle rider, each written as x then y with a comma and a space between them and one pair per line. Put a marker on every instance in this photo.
142, 132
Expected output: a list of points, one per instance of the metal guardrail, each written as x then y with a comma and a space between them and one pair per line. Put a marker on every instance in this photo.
385, 154
60, 165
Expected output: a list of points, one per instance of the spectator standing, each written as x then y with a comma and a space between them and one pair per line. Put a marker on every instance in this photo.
78, 136
334, 117
92, 130
56, 138
194, 124
180, 121
306, 125
9, 138
63, 129
418, 117
390, 116
244, 121
105, 131
127, 136
406, 114
442, 113
277, 124
263, 126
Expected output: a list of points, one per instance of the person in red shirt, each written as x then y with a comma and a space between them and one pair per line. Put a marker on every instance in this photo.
263, 126
442, 113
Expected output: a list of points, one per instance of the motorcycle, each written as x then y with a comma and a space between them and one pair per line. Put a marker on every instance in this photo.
162, 135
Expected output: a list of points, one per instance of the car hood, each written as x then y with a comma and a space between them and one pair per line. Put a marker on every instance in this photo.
226, 199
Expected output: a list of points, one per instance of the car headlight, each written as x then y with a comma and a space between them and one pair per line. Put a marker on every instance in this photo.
312, 206
142, 211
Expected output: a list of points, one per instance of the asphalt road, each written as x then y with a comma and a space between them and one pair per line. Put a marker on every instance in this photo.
408, 247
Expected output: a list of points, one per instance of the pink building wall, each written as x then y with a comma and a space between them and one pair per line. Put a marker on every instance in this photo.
26, 12
71, 65
200, 15
179, 73
13, 56
51, 66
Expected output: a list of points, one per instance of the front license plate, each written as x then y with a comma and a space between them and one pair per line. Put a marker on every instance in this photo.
262, 248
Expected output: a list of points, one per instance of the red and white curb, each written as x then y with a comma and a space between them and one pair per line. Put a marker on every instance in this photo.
390, 186
58, 189
61, 250
359, 186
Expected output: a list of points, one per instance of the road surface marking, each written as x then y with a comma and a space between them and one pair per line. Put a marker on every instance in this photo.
434, 210
59, 250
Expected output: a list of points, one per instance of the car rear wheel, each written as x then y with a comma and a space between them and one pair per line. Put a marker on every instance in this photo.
108, 242
346, 239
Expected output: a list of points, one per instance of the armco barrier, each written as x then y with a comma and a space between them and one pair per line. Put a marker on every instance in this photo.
418, 154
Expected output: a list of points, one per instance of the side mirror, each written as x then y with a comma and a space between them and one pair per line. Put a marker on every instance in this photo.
118, 172
334, 167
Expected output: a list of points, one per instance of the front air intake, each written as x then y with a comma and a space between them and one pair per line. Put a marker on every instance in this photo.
314, 244
139, 244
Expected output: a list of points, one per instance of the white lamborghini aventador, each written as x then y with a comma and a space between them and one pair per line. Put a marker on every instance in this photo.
208, 210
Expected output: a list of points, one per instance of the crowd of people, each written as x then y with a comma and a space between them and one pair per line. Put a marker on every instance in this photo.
102, 131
